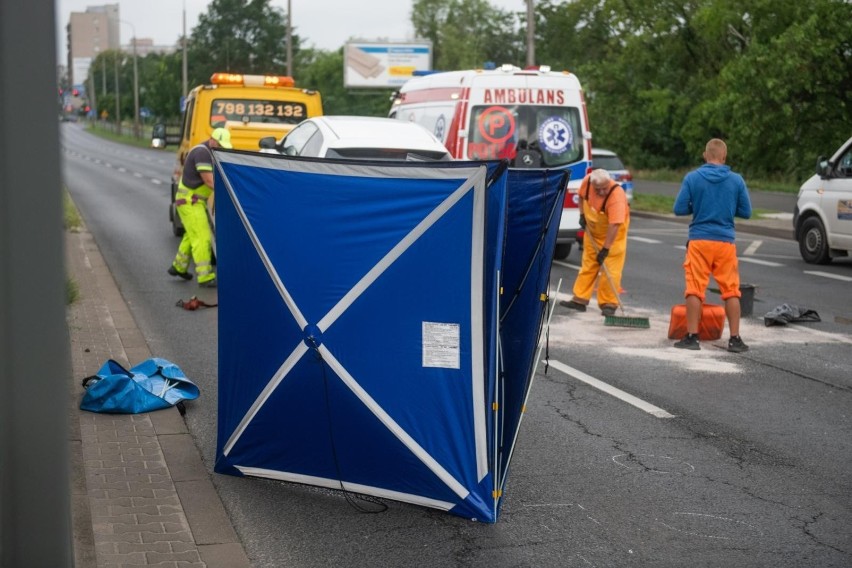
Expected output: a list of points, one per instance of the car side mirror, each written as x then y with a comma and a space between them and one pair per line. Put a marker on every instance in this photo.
823, 168
267, 143
158, 135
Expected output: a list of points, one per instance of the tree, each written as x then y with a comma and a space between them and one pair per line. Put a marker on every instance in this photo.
162, 76
772, 77
785, 98
239, 36
468, 33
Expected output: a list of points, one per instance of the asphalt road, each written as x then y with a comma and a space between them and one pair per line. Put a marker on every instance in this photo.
743, 461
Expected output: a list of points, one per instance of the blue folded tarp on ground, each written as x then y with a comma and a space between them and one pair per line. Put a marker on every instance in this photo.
153, 384
359, 323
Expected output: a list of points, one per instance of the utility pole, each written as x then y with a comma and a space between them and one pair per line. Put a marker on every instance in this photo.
117, 96
93, 103
530, 34
289, 39
185, 86
136, 133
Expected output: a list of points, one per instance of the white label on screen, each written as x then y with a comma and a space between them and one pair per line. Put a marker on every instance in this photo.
441, 345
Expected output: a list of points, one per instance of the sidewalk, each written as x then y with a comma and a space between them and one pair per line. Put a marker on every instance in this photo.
140, 493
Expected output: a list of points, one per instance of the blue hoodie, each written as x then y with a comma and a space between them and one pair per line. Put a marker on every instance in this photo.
713, 195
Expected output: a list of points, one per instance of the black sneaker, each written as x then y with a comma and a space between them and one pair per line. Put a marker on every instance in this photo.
690, 341
607, 311
572, 305
174, 272
208, 284
736, 345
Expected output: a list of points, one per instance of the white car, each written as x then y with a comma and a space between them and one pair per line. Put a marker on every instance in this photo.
358, 138
823, 215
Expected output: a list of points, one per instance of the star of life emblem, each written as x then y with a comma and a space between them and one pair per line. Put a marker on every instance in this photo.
555, 135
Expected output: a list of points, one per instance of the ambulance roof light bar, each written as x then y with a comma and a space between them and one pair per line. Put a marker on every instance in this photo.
252, 80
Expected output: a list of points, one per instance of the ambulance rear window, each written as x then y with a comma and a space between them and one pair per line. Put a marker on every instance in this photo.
254, 110
499, 131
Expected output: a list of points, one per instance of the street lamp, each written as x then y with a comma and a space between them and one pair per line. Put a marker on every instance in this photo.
136, 130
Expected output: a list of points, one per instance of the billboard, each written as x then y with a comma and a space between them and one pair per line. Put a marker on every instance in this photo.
384, 65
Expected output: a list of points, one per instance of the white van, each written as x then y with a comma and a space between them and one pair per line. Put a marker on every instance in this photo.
823, 214
535, 118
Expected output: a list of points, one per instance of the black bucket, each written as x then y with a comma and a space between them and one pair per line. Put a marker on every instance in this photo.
747, 299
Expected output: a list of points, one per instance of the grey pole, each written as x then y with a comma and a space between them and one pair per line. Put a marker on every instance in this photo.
530, 33
185, 90
135, 83
117, 96
35, 363
136, 133
289, 39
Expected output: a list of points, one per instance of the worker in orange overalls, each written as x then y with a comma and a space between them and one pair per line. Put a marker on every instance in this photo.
605, 217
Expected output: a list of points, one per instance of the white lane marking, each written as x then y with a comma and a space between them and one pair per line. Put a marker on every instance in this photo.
611, 390
681, 247
122, 170
137, 174
828, 275
761, 262
566, 264
644, 240
752, 248
156, 181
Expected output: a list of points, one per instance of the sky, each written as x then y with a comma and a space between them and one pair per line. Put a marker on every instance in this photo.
162, 20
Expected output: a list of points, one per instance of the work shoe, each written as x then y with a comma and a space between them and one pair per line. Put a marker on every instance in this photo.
208, 284
690, 341
736, 345
607, 311
572, 305
174, 272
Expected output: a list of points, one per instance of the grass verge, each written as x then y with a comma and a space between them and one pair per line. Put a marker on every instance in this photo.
754, 184
126, 136
73, 222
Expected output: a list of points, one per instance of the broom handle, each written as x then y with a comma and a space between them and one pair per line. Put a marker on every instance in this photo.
606, 273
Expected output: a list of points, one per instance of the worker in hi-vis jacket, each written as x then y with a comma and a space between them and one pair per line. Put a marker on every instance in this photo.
194, 190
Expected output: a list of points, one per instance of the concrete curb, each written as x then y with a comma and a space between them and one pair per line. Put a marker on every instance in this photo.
140, 492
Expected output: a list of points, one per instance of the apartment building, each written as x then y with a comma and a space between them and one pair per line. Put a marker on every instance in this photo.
88, 34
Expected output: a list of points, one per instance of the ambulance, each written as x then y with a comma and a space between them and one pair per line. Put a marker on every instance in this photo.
535, 118
250, 106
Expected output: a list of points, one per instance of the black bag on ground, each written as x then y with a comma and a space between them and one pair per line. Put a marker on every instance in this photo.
789, 313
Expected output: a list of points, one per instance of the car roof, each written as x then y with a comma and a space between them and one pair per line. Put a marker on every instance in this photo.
376, 132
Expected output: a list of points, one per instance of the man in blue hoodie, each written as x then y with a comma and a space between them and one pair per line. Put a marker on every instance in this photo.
713, 195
